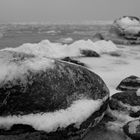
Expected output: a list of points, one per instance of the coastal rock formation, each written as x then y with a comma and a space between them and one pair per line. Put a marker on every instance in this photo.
131, 83
125, 104
132, 129
42, 98
127, 30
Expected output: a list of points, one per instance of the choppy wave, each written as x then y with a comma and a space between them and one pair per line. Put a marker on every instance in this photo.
57, 50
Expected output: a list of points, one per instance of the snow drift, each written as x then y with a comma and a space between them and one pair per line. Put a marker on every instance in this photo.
46, 48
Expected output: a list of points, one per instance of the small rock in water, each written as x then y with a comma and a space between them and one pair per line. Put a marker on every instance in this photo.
132, 129
131, 83
89, 53
97, 37
125, 103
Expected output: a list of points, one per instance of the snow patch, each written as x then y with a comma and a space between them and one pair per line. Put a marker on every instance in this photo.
126, 21
14, 67
78, 112
57, 50
133, 126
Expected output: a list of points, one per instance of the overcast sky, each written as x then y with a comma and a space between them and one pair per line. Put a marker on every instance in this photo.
66, 10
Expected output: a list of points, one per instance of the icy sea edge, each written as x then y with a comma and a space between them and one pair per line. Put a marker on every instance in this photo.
116, 62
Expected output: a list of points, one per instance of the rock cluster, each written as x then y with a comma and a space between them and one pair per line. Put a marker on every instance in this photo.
125, 106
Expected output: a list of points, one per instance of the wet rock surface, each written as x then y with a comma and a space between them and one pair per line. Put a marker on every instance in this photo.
131, 83
126, 102
132, 129
89, 53
68, 59
47, 90
127, 30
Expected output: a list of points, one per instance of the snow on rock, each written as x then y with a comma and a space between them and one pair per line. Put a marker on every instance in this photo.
138, 92
128, 25
78, 112
56, 50
13, 65
128, 21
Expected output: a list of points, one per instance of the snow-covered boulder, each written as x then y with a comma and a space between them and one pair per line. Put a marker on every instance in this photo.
125, 30
41, 98
128, 26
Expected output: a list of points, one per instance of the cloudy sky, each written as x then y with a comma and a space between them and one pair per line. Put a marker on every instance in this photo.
66, 10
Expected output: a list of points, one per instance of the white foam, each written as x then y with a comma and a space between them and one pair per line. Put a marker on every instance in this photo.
56, 50
78, 112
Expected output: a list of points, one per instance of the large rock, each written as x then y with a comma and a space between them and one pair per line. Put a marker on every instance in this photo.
132, 129
128, 25
43, 98
125, 104
131, 83
127, 30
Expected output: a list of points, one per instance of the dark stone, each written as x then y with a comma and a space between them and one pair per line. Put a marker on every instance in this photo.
132, 129
63, 84
48, 90
68, 59
119, 100
89, 53
131, 83
97, 37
